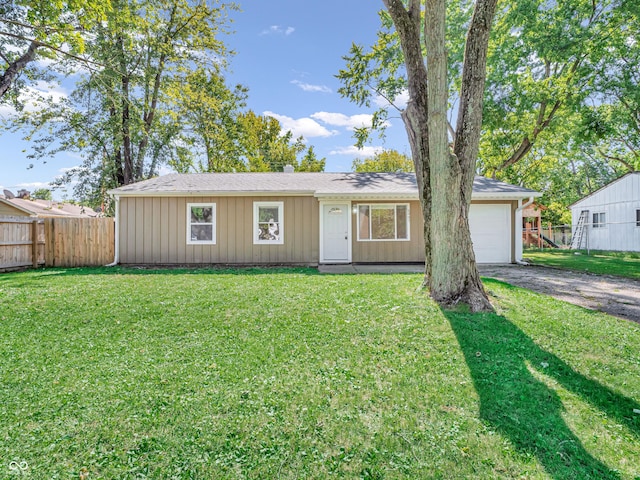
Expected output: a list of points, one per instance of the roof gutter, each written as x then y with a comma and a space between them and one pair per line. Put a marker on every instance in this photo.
116, 255
213, 193
518, 219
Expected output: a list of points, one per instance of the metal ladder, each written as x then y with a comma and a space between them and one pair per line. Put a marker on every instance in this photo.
576, 241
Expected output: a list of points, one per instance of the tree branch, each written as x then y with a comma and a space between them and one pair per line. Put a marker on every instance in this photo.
629, 166
472, 89
51, 47
14, 69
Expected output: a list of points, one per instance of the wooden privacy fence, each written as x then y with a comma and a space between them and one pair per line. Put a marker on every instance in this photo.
56, 242
22, 242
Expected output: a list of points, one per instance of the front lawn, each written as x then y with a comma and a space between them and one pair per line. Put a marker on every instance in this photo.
123, 374
621, 264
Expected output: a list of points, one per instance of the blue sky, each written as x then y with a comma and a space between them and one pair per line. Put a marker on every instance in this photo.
287, 53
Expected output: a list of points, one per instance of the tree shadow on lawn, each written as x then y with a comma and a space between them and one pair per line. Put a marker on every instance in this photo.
523, 408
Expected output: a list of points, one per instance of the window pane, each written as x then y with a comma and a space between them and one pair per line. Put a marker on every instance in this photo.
637, 218
268, 231
401, 222
201, 215
383, 223
268, 214
363, 221
202, 232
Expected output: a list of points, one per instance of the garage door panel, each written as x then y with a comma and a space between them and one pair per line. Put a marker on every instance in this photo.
490, 227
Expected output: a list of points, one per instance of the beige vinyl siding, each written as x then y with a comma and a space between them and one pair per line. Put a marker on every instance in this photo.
392, 250
153, 231
11, 211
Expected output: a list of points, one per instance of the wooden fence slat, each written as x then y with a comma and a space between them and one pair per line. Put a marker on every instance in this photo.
55, 241
34, 244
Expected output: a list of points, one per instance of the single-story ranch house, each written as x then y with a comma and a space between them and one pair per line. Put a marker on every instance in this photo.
300, 218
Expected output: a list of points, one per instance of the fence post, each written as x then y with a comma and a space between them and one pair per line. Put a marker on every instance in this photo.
34, 243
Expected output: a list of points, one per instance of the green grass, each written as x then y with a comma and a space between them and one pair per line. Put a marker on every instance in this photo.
128, 374
621, 264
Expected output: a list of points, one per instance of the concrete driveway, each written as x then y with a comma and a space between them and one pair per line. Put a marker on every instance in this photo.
615, 296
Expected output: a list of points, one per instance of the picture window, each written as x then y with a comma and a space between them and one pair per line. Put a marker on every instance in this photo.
378, 222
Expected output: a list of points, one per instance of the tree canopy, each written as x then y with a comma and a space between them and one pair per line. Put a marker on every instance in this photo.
384, 161
42, 30
156, 95
561, 91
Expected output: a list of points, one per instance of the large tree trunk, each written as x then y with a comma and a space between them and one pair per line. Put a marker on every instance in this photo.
125, 122
445, 179
414, 116
454, 277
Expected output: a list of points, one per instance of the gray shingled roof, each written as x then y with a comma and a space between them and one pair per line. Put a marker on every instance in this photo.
318, 184
45, 208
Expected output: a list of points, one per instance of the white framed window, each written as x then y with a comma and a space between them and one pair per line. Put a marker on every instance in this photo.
268, 223
383, 222
638, 217
599, 220
201, 223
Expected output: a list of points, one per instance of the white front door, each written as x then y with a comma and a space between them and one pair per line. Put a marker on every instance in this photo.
336, 233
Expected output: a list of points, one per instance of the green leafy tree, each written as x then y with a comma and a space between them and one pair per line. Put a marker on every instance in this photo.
310, 162
208, 110
544, 57
42, 194
385, 161
119, 116
263, 148
611, 123
33, 30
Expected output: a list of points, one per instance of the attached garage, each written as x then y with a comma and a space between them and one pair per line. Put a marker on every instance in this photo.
490, 226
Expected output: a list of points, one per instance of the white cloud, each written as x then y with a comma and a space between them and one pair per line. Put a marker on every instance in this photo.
342, 120
399, 102
33, 95
307, 87
33, 185
305, 126
278, 30
363, 152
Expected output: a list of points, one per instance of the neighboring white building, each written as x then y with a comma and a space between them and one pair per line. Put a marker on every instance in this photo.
609, 218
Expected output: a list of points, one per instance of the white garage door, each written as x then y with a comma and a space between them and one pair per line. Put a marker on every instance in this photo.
490, 227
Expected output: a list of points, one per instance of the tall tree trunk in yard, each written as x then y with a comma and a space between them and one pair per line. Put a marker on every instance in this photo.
414, 117
452, 261
445, 178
